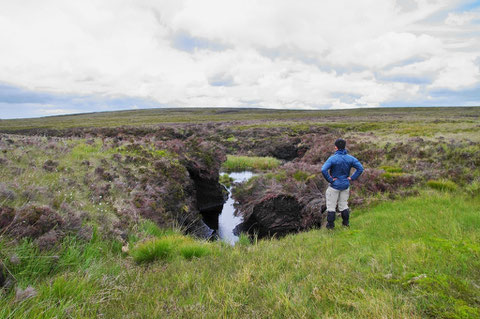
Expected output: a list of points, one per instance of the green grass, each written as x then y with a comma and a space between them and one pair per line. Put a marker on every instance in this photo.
392, 176
149, 228
392, 169
302, 176
443, 185
414, 258
367, 271
167, 247
226, 180
473, 189
154, 249
194, 250
249, 163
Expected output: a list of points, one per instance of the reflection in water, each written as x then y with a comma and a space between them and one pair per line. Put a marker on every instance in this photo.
227, 221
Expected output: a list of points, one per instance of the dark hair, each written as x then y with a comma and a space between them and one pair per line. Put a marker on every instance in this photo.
340, 144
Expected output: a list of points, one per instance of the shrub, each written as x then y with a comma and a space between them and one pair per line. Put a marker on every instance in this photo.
443, 185
50, 165
153, 249
34, 221
6, 193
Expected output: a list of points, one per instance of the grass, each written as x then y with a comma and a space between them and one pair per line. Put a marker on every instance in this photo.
194, 250
427, 121
392, 176
391, 169
153, 249
226, 180
473, 189
368, 271
249, 163
165, 245
414, 258
442, 185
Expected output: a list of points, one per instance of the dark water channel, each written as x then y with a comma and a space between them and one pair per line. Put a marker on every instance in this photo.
227, 221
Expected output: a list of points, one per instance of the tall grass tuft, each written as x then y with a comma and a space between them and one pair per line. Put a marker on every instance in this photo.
442, 185
167, 247
153, 249
244, 240
194, 250
152, 229
243, 163
391, 169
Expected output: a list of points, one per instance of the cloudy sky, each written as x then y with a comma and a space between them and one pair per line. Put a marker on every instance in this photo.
65, 56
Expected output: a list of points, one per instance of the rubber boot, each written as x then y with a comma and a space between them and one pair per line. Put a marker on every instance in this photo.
345, 217
330, 220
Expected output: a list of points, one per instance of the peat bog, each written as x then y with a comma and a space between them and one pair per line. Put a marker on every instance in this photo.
140, 188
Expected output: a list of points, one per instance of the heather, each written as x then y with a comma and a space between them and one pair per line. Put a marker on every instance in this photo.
112, 219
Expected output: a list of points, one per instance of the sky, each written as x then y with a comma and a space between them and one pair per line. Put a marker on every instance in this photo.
65, 56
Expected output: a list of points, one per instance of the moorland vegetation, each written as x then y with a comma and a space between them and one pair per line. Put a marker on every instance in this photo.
104, 214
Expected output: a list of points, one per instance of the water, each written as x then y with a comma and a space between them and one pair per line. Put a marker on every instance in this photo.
227, 221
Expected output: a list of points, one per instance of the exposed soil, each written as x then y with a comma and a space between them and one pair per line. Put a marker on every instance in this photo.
273, 217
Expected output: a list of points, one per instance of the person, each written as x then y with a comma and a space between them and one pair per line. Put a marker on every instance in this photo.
336, 171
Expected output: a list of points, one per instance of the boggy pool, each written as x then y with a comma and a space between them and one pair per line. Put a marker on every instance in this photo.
227, 221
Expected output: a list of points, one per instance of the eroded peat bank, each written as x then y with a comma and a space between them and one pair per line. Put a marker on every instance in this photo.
107, 220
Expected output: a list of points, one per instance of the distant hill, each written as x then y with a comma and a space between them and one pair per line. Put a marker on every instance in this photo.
150, 117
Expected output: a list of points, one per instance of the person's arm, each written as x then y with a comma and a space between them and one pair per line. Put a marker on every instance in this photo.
325, 172
358, 169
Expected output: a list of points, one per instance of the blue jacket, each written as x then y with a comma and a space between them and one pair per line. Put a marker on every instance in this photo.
339, 165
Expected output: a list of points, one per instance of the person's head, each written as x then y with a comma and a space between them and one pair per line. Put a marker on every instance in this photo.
340, 144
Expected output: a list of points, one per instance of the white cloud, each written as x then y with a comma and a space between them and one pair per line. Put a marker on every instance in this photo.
460, 19
387, 49
459, 72
272, 53
49, 111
